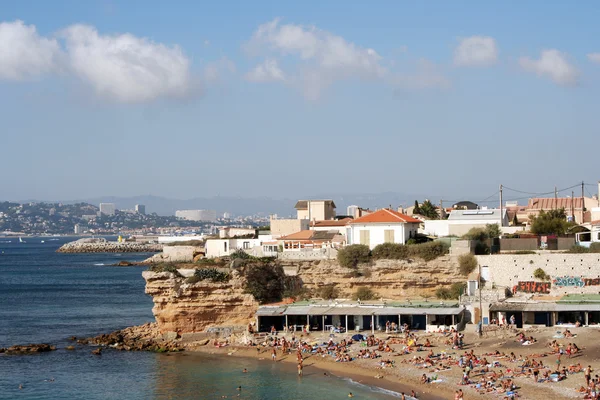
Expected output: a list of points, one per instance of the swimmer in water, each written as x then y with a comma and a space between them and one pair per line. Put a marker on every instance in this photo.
350, 394
239, 388
245, 370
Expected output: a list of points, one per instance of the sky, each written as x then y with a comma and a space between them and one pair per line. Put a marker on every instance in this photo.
188, 99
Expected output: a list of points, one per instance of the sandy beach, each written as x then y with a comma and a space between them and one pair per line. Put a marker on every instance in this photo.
404, 375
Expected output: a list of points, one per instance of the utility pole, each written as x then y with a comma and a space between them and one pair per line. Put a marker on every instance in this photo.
555, 198
501, 219
572, 205
480, 308
582, 203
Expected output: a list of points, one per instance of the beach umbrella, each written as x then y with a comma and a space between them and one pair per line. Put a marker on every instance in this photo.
359, 337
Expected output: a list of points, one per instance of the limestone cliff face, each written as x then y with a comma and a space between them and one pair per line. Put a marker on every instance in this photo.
390, 279
182, 307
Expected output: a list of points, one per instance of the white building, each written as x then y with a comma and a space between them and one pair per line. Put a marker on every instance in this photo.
107, 208
140, 209
197, 215
382, 226
460, 222
77, 229
352, 211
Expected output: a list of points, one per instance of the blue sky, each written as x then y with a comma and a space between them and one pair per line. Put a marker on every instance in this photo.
187, 99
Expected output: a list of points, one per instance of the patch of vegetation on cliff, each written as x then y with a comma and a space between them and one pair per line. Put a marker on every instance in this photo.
328, 292
210, 274
351, 256
265, 281
576, 249
390, 251
197, 243
467, 263
364, 293
451, 293
165, 267
541, 274
428, 251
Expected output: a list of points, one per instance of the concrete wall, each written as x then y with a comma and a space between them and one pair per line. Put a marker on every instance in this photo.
518, 244
459, 247
283, 227
569, 273
437, 227
318, 254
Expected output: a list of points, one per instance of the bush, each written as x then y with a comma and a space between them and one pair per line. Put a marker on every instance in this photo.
206, 261
297, 293
172, 268
211, 274
523, 252
328, 292
265, 281
576, 249
351, 256
478, 234
364, 293
239, 254
390, 251
541, 274
428, 251
482, 248
467, 263
452, 293
443, 293
595, 247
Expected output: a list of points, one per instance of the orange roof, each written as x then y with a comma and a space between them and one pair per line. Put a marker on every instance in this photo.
339, 222
549, 203
302, 235
385, 216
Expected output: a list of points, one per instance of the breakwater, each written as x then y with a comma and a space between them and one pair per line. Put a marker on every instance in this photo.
102, 246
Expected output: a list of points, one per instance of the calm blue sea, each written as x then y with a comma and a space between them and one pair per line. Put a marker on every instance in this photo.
45, 297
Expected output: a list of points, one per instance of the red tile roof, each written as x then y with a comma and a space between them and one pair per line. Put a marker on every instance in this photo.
385, 216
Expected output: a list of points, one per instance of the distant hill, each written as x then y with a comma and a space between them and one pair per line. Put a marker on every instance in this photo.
254, 205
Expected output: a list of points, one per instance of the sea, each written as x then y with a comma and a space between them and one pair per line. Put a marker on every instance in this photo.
47, 297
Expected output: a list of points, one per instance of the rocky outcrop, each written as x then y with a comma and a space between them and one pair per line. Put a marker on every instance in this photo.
145, 337
194, 307
390, 279
28, 349
109, 247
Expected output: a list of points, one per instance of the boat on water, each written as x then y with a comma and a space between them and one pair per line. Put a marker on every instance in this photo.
43, 241
21, 240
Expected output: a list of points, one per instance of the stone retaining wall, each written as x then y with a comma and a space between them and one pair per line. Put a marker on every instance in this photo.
109, 247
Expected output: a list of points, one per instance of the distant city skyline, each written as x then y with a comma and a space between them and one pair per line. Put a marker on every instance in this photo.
296, 100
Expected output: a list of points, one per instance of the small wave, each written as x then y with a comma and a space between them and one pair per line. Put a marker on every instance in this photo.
376, 389
99, 264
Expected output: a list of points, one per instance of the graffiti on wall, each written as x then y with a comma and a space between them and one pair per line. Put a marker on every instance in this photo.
532, 287
575, 281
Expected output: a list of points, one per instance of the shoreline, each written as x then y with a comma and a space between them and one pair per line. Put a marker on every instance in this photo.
355, 371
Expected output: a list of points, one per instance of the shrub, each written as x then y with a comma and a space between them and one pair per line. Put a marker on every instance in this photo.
443, 293
576, 249
595, 247
265, 281
206, 261
364, 293
479, 234
351, 256
297, 292
452, 293
172, 268
541, 274
390, 251
524, 252
482, 248
239, 254
328, 292
212, 274
428, 251
467, 263
193, 279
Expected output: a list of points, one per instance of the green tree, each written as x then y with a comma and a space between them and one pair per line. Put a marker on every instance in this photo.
265, 281
427, 209
550, 222
417, 209
364, 293
493, 231
351, 256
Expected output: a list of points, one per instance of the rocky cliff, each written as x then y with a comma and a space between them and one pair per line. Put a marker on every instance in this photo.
183, 307
390, 279
193, 307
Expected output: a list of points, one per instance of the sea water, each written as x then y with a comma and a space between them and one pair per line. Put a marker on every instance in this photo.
46, 297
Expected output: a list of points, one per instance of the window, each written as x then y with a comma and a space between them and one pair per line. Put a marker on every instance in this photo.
246, 245
388, 236
225, 247
365, 237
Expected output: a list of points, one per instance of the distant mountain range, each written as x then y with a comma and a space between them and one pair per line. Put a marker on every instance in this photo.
252, 205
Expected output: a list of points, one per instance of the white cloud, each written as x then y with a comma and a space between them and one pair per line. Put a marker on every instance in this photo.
476, 51
552, 64
24, 54
594, 57
268, 71
126, 68
426, 76
324, 57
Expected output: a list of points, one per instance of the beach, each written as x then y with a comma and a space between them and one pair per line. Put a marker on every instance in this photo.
403, 376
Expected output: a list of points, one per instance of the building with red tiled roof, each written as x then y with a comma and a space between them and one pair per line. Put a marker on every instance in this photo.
311, 240
382, 226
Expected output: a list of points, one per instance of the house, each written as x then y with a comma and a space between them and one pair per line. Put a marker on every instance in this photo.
382, 226
576, 208
338, 226
315, 210
465, 205
224, 247
309, 239
287, 226
461, 221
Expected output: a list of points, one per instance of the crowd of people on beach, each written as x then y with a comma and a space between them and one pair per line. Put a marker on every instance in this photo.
496, 373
